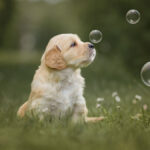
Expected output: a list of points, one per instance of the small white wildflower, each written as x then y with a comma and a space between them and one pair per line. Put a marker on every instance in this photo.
117, 98
45, 110
114, 94
134, 101
99, 99
136, 117
98, 105
118, 107
138, 97
145, 107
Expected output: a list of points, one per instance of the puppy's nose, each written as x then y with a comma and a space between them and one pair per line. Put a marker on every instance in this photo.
91, 46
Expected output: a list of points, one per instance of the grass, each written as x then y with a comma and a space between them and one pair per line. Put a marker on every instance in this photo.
119, 131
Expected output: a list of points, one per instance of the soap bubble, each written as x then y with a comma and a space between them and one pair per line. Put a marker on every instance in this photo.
145, 74
133, 16
95, 36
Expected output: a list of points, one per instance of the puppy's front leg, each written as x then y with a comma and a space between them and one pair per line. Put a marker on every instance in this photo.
22, 110
80, 114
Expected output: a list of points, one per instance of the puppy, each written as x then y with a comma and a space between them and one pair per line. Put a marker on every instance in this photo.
57, 86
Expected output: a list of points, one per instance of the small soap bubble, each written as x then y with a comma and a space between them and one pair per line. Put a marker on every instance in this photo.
145, 74
95, 36
133, 16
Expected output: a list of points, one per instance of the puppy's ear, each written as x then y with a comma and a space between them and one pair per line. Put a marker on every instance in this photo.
54, 59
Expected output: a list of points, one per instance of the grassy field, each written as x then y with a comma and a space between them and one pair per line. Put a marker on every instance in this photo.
126, 127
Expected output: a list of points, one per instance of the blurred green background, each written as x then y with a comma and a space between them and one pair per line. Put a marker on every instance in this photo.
25, 29
27, 25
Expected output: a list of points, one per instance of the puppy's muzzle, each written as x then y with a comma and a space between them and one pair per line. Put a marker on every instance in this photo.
91, 46
91, 50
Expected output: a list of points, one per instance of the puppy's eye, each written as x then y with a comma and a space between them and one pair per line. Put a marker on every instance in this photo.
73, 44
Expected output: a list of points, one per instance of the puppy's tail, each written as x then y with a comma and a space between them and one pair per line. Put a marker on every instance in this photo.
22, 110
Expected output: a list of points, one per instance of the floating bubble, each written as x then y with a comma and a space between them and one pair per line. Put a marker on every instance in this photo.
145, 74
95, 36
133, 16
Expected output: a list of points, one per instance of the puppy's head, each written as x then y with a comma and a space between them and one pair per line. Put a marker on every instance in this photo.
67, 50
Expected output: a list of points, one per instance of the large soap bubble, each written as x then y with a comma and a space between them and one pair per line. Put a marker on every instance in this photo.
95, 36
145, 74
133, 16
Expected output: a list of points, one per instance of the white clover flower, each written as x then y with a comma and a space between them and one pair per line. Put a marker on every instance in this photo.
118, 107
137, 116
45, 110
134, 101
98, 105
145, 107
117, 98
138, 97
99, 99
114, 94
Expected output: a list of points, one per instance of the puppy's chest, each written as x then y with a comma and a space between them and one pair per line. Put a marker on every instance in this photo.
59, 97
65, 90
63, 94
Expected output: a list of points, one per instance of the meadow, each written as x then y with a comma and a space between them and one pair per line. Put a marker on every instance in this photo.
126, 126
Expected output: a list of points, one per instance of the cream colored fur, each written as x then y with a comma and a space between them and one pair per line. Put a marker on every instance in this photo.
57, 87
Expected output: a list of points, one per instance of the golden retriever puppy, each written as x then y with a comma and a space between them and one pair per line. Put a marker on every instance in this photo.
57, 86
